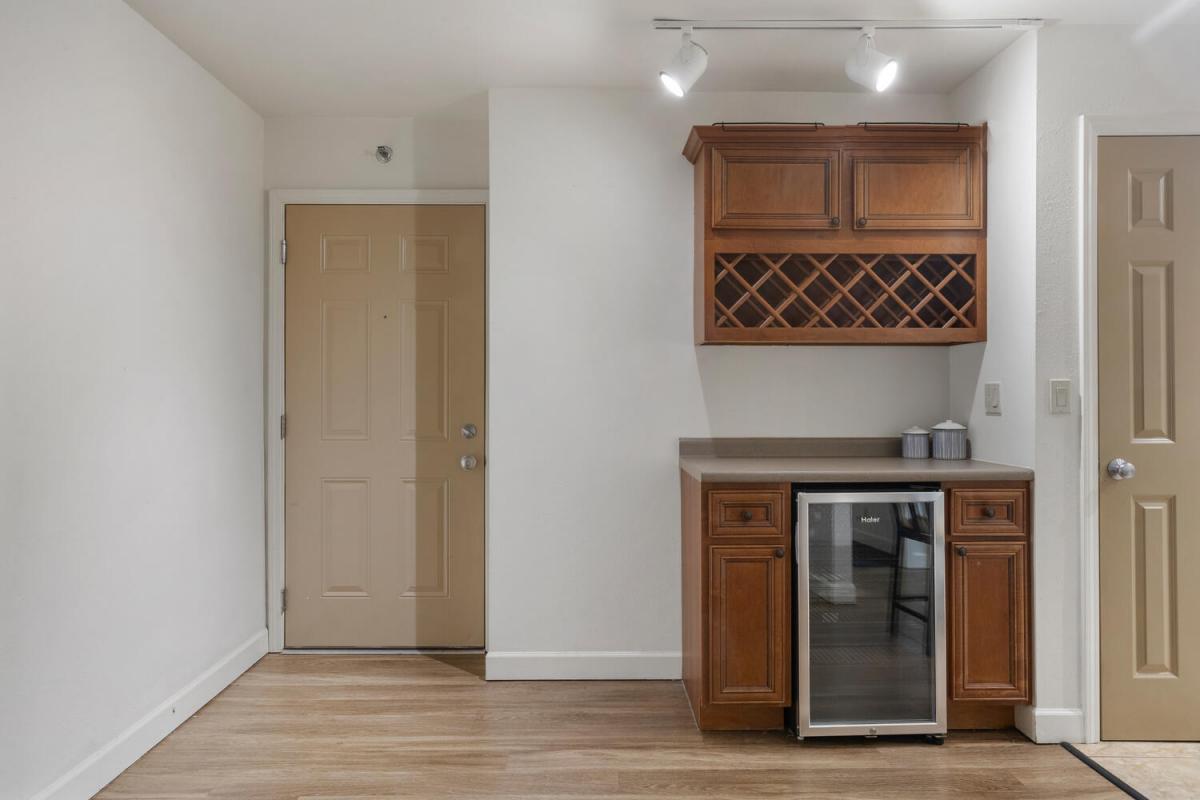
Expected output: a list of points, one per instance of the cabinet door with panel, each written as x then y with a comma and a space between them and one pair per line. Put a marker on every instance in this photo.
749, 624
929, 188
775, 188
989, 612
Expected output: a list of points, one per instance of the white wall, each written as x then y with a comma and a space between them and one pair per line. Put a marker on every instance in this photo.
1004, 95
131, 465
593, 375
1081, 70
339, 152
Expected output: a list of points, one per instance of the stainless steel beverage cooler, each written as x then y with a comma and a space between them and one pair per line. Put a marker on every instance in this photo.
870, 613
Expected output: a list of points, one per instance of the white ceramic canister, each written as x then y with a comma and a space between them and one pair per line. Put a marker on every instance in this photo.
914, 443
949, 440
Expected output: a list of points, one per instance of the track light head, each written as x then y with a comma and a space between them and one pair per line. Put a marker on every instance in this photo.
686, 67
868, 67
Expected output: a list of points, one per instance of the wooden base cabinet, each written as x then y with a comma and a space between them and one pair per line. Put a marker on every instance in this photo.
737, 604
988, 591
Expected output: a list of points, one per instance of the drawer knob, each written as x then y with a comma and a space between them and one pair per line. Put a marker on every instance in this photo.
747, 515
780, 552
962, 551
862, 222
835, 221
989, 512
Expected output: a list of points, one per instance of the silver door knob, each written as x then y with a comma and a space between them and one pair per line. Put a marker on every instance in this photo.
468, 462
469, 430
1121, 470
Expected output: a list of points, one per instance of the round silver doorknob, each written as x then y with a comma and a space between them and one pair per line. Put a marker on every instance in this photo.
1121, 470
468, 462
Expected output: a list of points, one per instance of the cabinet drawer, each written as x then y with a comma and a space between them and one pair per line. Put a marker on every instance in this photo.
745, 513
988, 512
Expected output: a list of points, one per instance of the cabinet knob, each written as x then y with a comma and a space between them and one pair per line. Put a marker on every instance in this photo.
962, 551
835, 221
862, 222
747, 516
780, 552
989, 512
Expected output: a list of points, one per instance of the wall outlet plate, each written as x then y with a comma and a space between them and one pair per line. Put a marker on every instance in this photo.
991, 399
1060, 396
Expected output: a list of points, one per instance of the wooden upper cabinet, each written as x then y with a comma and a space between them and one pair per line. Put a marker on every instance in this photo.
921, 188
775, 188
864, 234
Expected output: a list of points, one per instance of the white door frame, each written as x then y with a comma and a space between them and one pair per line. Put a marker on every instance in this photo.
1091, 128
277, 201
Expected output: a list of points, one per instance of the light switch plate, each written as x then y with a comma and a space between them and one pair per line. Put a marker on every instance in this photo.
991, 399
1060, 396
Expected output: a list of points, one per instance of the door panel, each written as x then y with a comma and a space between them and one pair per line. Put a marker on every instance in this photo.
749, 652
990, 610
918, 187
775, 188
384, 365
1148, 276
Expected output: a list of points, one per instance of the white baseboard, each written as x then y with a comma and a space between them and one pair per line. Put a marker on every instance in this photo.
583, 665
97, 770
1050, 725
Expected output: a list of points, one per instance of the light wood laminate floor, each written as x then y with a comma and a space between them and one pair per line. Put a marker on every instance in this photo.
338, 726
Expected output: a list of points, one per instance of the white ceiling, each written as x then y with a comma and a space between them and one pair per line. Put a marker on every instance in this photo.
439, 57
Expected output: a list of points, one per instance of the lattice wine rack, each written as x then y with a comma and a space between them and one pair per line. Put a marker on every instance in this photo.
846, 296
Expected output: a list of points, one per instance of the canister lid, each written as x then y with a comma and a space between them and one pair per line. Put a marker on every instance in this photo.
917, 430
949, 425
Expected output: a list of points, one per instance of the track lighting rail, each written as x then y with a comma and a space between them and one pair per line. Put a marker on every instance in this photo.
1014, 24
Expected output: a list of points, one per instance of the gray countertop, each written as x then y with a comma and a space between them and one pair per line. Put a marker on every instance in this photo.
828, 460
850, 469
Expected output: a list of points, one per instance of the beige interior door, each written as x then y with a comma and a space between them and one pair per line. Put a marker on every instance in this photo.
384, 381
1149, 414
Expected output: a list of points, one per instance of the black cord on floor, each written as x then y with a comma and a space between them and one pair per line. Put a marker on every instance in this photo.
1108, 776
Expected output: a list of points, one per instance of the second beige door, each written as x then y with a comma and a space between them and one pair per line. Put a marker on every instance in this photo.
1149, 415
384, 374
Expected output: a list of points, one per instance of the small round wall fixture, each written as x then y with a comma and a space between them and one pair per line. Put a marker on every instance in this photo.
383, 154
686, 66
868, 67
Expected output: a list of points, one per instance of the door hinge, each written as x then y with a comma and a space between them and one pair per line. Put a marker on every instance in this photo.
283, 600
283, 251
283, 426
